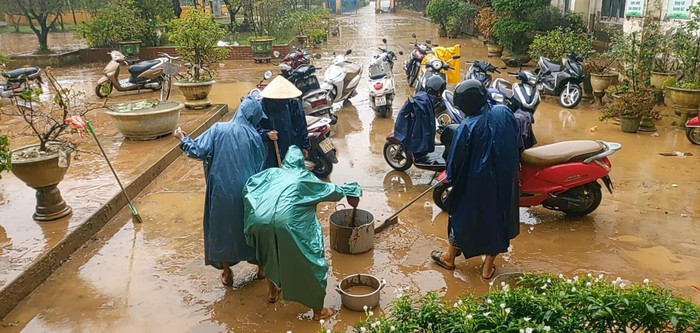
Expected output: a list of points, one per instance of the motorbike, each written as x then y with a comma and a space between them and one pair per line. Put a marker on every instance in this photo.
562, 176
342, 78
562, 80
412, 66
692, 130
18, 80
521, 95
322, 154
296, 58
433, 67
149, 74
316, 101
381, 81
479, 70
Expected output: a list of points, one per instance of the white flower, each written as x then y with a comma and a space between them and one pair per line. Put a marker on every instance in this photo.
544, 286
507, 310
469, 316
576, 278
600, 276
614, 283
506, 288
528, 330
460, 302
377, 322
365, 307
363, 330
503, 305
455, 305
503, 284
526, 319
547, 328
646, 281
392, 328
588, 284
618, 279
489, 301
573, 289
373, 325
622, 285
486, 314
491, 284
590, 275
321, 321
371, 313
328, 331
549, 280
522, 330
561, 276
569, 281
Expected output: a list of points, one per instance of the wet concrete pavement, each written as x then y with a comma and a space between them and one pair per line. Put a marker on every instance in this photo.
151, 277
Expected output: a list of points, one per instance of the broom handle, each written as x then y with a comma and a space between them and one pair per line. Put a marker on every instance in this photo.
416, 199
277, 151
108, 162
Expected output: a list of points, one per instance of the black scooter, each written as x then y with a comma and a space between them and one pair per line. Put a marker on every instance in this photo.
17, 80
479, 70
562, 80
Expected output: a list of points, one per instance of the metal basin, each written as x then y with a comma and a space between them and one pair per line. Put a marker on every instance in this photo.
358, 302
354, 238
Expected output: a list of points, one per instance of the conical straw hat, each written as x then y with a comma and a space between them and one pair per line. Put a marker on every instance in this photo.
280, 88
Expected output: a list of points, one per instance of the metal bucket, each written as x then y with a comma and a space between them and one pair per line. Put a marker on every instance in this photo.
358, 302
352, 240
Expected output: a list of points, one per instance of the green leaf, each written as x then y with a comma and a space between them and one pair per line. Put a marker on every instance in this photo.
650, 309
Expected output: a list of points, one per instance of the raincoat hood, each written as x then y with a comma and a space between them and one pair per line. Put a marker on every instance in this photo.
294, 159
250, 111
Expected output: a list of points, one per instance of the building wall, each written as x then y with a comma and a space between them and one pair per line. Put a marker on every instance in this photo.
658, 10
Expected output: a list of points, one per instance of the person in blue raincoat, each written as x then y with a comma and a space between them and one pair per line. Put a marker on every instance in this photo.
232, 152
285, 123
281, 224
415, 123
482, 166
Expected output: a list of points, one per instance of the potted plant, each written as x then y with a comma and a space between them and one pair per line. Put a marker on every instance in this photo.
513, 35
630, 108
43, 165
665, 65
685, 92
117, 25
263, 26
485, 20
196, 34
600, 75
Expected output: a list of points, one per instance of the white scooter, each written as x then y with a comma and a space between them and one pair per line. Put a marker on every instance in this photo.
342, 78
381, 81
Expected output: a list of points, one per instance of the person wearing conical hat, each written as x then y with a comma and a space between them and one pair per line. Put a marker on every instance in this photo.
285, 121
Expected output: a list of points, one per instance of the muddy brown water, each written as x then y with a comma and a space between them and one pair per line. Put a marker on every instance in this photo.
27, 43
151, 277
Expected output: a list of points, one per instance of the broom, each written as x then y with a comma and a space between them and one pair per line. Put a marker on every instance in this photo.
393, 219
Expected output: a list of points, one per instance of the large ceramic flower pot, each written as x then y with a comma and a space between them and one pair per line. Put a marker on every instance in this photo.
144, 120
262, 48
43, 172
494, 49
630, 124
658, 79
686, 102
196, 93
601, 82
131, 49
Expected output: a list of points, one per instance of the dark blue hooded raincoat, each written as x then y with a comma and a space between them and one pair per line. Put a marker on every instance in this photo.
483, 169
231, 152
415, 124
286, 116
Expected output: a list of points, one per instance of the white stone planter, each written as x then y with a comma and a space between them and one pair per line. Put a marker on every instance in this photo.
140, 121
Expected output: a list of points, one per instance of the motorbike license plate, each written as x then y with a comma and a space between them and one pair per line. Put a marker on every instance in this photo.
380, 100
326, 145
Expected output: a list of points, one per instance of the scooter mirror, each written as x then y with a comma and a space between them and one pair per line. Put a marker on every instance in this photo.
267, 75
348, 52
413, 35
428, 41
276, 53
456, 56
384, 40
400, 52
317, 56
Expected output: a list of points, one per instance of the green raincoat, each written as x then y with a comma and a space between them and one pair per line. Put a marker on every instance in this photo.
281, 224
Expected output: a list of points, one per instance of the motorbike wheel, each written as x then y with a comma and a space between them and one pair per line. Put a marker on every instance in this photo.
590, 196
693, 135
396, 157
440, 194
103, 89
412, 75
571, 96
383, 111
323, 167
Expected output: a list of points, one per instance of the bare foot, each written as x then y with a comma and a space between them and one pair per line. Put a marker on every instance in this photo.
325, 313
227, 277
261, 274
273, 293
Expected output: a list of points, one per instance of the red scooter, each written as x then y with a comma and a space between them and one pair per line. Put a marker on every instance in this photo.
561, 176
692, 130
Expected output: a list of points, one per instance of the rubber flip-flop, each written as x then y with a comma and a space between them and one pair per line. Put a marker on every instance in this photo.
272, 300
493, 272
226, 282
435, 255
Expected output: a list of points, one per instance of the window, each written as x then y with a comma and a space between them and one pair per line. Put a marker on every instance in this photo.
612, 9
567, 6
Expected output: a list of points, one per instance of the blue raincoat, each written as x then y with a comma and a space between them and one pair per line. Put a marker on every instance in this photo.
483, 169
231, 152
286, 116
281, 224
415, 124
526, 136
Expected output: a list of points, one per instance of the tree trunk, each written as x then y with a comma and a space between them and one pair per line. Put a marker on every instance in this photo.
177, 8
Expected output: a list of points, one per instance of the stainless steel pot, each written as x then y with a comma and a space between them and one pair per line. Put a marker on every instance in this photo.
358, 302
354, 238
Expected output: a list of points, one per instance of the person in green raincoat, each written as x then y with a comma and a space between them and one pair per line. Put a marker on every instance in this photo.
280, 223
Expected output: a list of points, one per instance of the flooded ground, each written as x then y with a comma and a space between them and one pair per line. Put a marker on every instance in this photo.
151, 277
27, 43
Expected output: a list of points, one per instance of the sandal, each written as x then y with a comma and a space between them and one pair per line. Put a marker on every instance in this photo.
227, 282
275, 298
492, 272
435, 255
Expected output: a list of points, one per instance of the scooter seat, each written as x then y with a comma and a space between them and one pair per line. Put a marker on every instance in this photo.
505, 87
352, 68
19, 72
377, 76
433, 160
552, 66
141, 67
561, 152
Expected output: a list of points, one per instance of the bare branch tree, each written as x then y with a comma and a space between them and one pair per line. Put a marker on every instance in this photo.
42, 16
